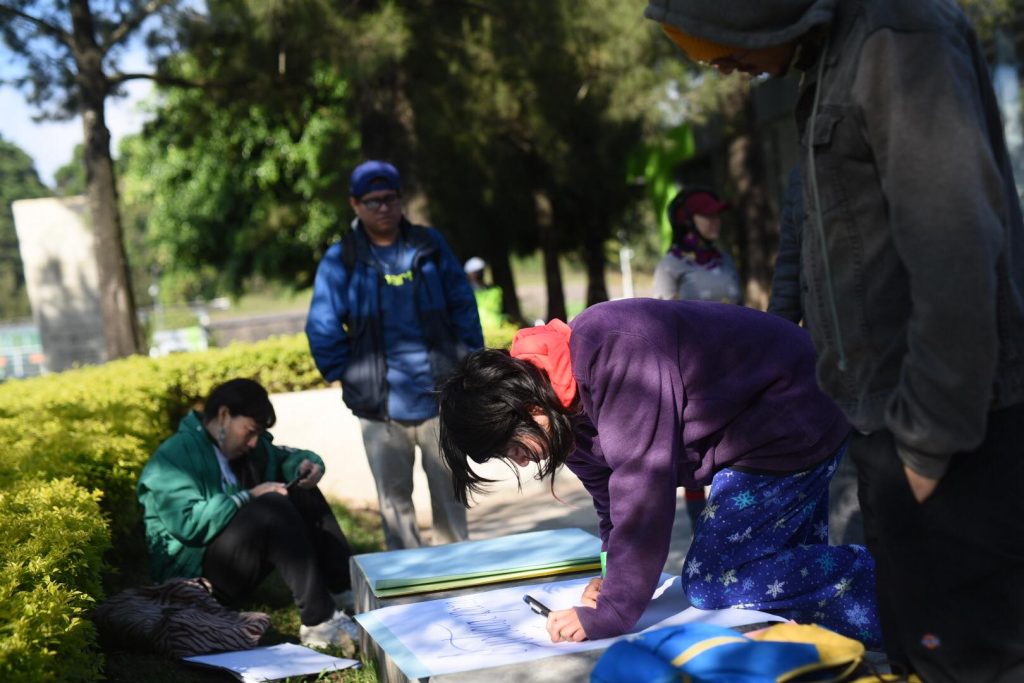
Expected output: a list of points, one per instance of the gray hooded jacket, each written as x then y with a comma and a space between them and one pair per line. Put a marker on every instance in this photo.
913, 247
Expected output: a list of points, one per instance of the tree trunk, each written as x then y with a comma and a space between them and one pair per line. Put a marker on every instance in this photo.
386, 122
756, 241
593, 256
120, 325
501, 271
552, 272
553, 277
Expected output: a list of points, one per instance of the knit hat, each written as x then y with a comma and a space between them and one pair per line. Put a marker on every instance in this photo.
742, 24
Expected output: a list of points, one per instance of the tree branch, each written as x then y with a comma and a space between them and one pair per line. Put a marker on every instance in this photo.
43, 26
130, 23
118, 78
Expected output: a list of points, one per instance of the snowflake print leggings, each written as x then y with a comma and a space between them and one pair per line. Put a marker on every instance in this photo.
762, 543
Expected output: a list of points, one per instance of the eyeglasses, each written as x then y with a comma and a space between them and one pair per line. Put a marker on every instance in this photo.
385, 202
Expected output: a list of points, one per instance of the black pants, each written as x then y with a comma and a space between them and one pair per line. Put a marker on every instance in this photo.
296, 534
950, 571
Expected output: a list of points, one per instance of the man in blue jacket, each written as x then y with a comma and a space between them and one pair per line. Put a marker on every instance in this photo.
392, 313
913, 261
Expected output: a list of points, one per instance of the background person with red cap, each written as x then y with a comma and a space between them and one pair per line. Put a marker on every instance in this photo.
695, 269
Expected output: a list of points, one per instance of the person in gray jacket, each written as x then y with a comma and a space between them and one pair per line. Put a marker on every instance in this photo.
695, 269
913, 258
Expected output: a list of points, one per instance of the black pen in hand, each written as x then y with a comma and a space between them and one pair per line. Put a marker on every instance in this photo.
296, 480
536, 606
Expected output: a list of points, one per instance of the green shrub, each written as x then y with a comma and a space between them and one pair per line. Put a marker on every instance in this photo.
500, 337
91, 430
52, 538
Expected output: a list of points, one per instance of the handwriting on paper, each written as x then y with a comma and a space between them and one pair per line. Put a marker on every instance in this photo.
486, 630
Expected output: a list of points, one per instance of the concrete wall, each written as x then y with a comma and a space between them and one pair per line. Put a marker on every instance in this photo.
255, 328
58, 254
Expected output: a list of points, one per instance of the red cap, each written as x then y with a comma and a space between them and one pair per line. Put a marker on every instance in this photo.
704, 204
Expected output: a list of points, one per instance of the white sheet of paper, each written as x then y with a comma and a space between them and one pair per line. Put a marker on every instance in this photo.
494, 628
274, 662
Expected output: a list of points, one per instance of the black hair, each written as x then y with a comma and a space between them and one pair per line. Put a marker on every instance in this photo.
679, 218
487, 406
241, 397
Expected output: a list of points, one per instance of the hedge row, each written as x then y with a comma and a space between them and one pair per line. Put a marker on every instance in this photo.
52, 538
75, 443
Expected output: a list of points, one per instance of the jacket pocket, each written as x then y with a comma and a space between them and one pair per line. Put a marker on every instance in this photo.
824, 145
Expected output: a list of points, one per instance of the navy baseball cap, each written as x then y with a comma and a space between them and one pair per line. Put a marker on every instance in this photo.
370, 176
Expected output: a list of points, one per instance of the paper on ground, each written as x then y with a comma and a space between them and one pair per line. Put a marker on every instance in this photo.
495, 628
273, 663
535, 553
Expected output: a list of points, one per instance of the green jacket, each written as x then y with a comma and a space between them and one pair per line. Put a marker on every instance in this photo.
184, 504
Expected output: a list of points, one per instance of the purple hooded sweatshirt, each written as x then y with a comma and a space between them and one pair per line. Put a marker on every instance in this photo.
673, 392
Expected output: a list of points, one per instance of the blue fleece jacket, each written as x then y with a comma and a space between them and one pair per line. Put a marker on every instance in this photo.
391, 323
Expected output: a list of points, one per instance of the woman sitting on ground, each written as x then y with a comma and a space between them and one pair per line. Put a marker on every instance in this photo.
216, 505
639, 397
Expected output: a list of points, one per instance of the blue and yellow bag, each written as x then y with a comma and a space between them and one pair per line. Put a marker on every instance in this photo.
700, 653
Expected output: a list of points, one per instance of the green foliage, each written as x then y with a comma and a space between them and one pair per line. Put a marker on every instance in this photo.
92, 429
52, 537
18, 180
553, 119
70, 178
500, 337
236, 195
986, 15
247, 178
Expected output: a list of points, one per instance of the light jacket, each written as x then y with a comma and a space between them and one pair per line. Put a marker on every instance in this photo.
915, 270
344, 323
184, 502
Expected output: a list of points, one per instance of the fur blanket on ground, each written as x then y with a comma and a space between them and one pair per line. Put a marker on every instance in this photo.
178, 618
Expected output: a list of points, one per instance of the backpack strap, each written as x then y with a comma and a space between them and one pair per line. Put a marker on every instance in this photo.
348, 250
416, 235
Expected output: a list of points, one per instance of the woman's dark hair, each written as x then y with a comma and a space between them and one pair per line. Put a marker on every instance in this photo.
241, 397
486, 406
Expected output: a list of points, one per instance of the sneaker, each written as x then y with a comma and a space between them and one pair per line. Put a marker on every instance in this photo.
335, 631
345, 600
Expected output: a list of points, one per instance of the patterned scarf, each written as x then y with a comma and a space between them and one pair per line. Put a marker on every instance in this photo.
697, 249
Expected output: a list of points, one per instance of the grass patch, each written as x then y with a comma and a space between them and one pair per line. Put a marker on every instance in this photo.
364, 533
